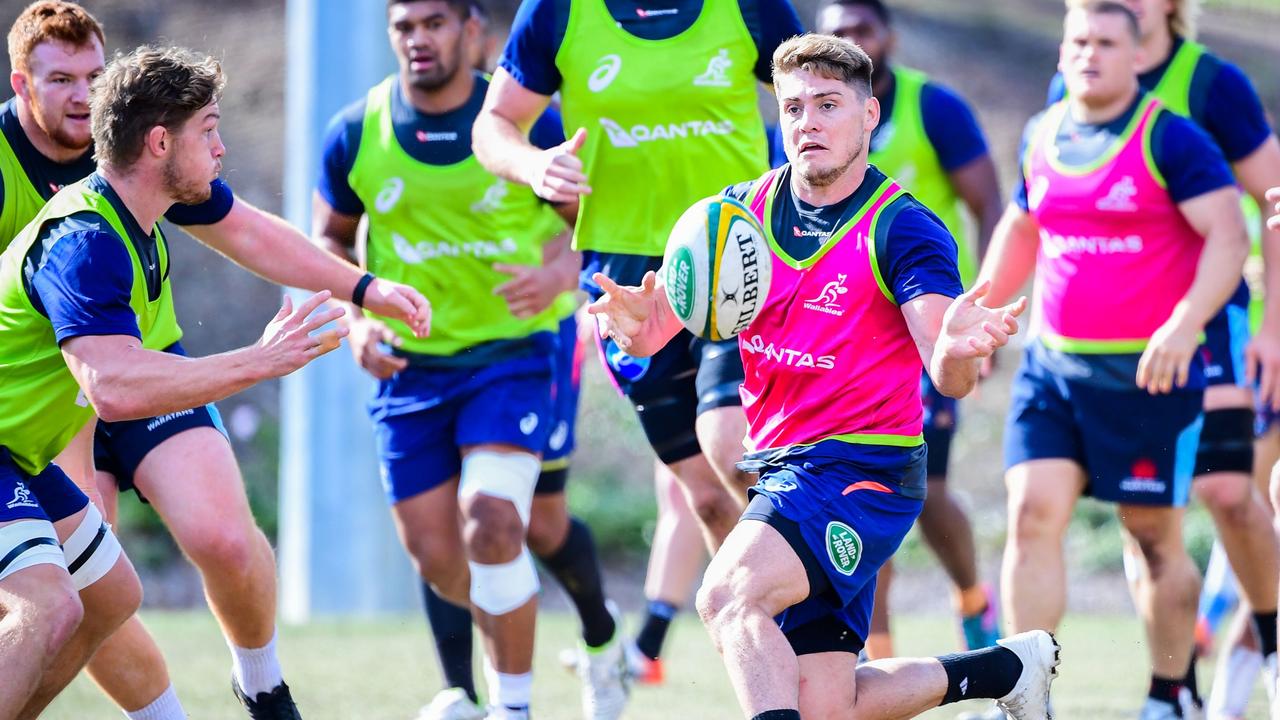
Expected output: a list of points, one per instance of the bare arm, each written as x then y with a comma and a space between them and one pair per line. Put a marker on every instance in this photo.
500, 141
1257, 173
976, 184
1011, 258
271, 248
953, 336
1215, 215
123, 381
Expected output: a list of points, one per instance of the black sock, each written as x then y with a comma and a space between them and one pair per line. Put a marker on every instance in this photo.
1166, 690
778, 715
577, 569
1266, 624
451, 628
987, 673
1190, 683
654, 631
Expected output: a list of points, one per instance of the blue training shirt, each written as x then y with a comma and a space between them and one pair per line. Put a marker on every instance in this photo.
442, 139
49, 177
1222, 100
79, 274
949, 123
539, 29
914, 250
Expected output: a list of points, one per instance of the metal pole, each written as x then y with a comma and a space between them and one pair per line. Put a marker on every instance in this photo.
338, 551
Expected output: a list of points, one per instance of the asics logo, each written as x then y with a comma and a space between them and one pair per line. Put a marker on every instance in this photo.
607, 69
529, 423
389, 195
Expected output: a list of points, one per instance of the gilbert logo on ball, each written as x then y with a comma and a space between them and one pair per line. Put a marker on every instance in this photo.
717, 268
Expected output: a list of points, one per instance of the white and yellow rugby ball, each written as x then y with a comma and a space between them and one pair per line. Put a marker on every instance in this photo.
717, 268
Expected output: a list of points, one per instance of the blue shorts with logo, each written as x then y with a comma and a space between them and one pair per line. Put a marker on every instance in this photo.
50, 495
940, 415
565, 390
1135, 448
1225, 337
423, 415
119, 447
853, 505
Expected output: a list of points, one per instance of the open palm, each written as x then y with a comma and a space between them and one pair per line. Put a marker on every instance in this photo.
972, 330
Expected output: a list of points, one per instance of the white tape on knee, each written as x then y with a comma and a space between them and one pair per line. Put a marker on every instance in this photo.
510, 476
26, 543
499, 589
91, 551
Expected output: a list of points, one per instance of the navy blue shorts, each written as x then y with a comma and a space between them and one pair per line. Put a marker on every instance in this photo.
940, 415
1225, 338
49, 495
565, 390
851, 515
423, 416
119, 447
1135, 448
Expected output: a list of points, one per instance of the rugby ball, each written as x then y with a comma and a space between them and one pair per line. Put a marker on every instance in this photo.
716, 268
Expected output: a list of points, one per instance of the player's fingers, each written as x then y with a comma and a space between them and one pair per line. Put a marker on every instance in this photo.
976, 293
610, 287
286, 309
1273, 195
568, 167
326, 341
511, 269
1017, 307
997, 335
1143, 377
321, 319
310, 304
574, 144
649, 281
1183, 372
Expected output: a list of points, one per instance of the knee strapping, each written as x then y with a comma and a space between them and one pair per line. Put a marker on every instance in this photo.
1226, 442
91, 551
510, 476
27, 543
499, 589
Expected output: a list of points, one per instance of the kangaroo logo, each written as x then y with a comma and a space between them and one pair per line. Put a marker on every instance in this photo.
493, 197
1120, 197
717, 72
829, 298
21, 498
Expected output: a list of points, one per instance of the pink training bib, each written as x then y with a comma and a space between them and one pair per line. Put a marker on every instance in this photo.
830, 355
1115, 253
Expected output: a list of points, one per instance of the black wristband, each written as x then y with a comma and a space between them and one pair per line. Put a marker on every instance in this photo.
357, 295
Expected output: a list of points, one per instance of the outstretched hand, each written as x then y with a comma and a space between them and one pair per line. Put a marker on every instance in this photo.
634, 317
971, 330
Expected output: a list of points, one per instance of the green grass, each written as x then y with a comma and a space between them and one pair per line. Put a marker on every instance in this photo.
384, 670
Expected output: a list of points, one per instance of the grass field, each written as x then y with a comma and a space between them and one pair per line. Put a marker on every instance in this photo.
383, 670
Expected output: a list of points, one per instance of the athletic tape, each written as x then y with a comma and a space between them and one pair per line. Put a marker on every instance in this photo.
499, 589
26, 543
92, 550
510, 476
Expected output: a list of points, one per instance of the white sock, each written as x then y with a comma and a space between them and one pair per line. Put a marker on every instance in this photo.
257, 670
165, 707
506, 690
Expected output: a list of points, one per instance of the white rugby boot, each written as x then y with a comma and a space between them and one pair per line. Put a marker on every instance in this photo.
451, 704
1029, 698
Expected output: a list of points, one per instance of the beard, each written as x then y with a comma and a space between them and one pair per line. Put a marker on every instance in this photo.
184, 191
822, 177
442, 75
57, 132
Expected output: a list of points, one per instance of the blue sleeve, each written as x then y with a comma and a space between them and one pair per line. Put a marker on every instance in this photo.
1233, 114
777, 152
84, 286
548, 131
341, 142
530, 53
918, 256
1187, 157
951, 127
1020, 187
209, 212
778, 23
1057, 90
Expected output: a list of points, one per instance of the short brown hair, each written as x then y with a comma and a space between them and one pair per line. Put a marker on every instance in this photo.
148, 87
50, 20
827, 56
1110, 7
